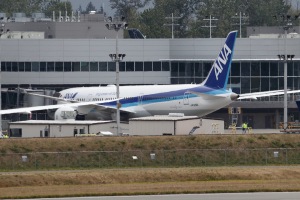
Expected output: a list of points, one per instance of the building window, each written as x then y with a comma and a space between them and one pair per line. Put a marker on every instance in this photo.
255, 84
27, 66
198, 69
35, 66
112, 66
14, 66
206, 68
245, 85
265, 84
174, 80
182, 69
290, 69
122, 66
75, 66
139, 66
59, 66
274, 68
50, 66
94, 66
103, 66
245, 69
67, 66
235, 69
85, 66
43, 66
174, 69
165, 66
274, 83
147, 66
265, 69
3, 69
8, 66
255, 69
281, 69
21, 66
156, 66
129, 66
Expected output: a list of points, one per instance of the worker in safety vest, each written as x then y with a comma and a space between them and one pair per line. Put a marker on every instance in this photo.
244, 127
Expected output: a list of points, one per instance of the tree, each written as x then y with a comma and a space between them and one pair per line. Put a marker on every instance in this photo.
128, 9
24, 6
79, 9
155, 18
56, 5
261, 13
90, 7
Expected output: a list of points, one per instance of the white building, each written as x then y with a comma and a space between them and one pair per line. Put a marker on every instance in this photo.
66, 128
175, 125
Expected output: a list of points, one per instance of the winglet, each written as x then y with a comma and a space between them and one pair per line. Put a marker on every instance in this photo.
218, 75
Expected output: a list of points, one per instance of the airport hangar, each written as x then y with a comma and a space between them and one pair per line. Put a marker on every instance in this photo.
69, 60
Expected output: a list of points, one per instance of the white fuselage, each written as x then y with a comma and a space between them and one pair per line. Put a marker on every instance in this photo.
154, 99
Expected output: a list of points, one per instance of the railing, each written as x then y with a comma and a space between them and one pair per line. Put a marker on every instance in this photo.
156, 158
292, 127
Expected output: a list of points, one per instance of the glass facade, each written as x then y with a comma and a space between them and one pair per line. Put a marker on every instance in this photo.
245, 76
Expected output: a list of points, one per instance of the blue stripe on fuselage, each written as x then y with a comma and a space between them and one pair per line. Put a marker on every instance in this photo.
165, 96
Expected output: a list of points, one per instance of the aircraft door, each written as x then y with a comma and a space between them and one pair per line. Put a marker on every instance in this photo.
186, 100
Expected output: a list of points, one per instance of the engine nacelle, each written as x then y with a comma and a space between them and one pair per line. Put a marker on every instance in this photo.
65, 113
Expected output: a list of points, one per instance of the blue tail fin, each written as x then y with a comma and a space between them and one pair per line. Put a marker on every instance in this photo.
218, 75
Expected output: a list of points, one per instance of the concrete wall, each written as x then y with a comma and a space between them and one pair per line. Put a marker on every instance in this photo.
176, 127
151, 127
64, 130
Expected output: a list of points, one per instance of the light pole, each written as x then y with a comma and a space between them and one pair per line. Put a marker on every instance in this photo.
172, 24
287, 24
210, 19
118, 25
242, 20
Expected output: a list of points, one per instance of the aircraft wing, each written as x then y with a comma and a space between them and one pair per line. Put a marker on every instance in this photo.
91, 104
256, 95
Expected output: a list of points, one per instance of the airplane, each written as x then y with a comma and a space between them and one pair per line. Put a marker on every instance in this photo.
148, 100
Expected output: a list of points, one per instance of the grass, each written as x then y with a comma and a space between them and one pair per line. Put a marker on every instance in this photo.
148, 181
133, 181
26, 145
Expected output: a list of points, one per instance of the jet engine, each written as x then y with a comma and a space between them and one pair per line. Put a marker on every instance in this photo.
65, 113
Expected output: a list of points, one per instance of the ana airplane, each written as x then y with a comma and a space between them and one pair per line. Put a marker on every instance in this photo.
137, 101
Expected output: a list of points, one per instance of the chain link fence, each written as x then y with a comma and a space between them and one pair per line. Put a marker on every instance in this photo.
156, 158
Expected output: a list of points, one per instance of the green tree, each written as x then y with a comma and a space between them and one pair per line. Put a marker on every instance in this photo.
155, 18
90, 7
129, 10
261, 13
57, 5
25, 6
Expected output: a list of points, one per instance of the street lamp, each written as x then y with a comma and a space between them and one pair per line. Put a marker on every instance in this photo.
118, 25
287, 24
210, 19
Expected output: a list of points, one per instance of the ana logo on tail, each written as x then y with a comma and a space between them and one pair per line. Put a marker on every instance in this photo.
221, 60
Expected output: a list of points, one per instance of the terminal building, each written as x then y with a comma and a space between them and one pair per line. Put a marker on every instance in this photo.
76, 53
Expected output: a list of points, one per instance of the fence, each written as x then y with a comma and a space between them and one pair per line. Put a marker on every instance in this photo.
158, 158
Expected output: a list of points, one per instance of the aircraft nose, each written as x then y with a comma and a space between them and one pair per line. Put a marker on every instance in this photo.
234, 96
